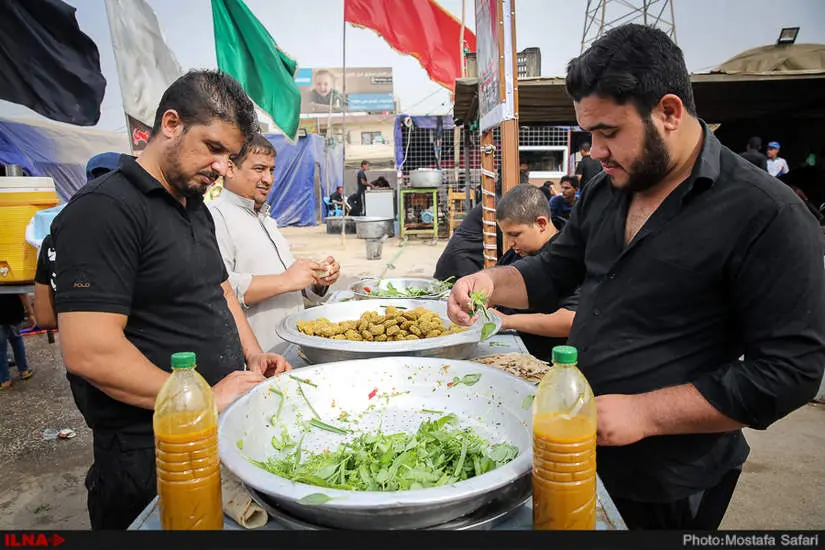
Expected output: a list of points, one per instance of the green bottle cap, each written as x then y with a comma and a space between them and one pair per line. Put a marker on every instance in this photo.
565, 355
183, 360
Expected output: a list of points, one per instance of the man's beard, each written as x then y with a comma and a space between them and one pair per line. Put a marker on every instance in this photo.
654, 164
178, 180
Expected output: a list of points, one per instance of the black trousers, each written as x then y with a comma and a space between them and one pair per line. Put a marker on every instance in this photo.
700, 512
121, 481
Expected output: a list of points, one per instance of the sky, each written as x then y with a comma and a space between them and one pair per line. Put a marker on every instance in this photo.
311, 32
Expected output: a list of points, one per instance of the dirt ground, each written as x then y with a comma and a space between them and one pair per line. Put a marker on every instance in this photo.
782, 486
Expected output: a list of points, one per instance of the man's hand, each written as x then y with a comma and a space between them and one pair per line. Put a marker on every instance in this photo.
267, 364
333, 271
459, 304
234, 385
622, 419
302, 273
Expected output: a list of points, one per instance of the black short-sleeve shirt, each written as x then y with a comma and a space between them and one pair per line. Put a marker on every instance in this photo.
125, 245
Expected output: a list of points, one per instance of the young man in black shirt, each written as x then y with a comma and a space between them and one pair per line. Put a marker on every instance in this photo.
140, 276
523, 215
588, 167
754, 155
688, 258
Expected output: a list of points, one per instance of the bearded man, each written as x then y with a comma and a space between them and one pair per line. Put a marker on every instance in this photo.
702, 289
139, 277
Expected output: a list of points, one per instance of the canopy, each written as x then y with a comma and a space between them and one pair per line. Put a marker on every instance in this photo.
59, 151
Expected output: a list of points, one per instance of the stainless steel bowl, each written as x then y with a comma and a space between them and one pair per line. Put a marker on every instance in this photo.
325, 350
373, 227
400, 284
426, 177
494, 407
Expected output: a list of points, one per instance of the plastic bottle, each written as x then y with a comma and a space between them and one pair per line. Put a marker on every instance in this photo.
186, 450
564, 447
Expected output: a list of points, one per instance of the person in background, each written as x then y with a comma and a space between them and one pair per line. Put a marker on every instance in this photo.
14, 310
588, 166
523, 215
523, 173
777, 166
753, 153
551, 188
363, 183
561, 205
140, 277
44, 277
464, 253
268, 282
702, 288
338, 196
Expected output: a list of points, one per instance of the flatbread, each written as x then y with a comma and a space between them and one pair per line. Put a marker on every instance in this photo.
523, 365
238, 503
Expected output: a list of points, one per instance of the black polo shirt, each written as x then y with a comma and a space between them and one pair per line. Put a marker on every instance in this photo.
125, 245
730, 264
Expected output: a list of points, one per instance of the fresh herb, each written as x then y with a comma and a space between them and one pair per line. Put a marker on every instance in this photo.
306, 381
306, 399
315, 499
478, 301
328, 427
277, 415
467, 380
431, 411
439, 453
434, 289
240, 444
527, 402
284, 442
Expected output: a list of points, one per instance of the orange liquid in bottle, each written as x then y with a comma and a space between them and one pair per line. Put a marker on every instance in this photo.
564, 447
564, 472
186, 452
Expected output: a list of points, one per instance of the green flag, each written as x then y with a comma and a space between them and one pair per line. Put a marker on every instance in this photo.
247, 51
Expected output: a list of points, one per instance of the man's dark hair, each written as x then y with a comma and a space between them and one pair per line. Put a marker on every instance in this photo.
632, 63
572, 180
199, 97
258, 144
585, 146
364, 163
523, 204
755, 143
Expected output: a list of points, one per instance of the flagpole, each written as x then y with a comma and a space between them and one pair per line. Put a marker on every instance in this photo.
344, 125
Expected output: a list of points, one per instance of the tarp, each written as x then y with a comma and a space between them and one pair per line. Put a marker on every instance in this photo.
292, 200
55, 150
784, 59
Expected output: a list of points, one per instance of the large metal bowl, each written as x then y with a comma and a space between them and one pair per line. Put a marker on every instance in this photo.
400, 284
495, 407
325, 350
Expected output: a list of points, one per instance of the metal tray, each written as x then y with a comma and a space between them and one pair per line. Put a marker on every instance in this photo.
494, 407
398, 283
494, 513
325, 350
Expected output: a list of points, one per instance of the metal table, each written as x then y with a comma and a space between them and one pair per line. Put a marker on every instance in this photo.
14, 288
607, 516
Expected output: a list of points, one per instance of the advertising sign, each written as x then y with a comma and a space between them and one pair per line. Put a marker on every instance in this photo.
369, 89
495, 87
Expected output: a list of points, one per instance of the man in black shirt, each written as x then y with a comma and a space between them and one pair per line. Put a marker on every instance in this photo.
523, 215
588, 167
753, 154
140, 276
688, 258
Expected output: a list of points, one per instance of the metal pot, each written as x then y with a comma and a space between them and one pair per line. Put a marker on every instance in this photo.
367, 227
425, 177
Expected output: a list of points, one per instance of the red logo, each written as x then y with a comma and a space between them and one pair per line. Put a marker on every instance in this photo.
32, 540
139, 135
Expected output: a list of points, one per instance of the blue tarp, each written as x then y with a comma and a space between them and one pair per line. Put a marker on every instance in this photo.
58, 151
292, 200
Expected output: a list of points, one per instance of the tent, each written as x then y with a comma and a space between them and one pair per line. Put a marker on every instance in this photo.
304, 173
59, 151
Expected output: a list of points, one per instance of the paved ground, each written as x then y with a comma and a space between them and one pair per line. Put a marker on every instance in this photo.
782, 487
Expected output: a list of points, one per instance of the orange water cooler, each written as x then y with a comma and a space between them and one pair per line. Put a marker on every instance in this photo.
20, 199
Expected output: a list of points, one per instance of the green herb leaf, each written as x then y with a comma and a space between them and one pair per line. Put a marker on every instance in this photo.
431, 411
306, 381
328, 427
470, 379
487, 330
527, 402
240, 444
306, 399
315, 499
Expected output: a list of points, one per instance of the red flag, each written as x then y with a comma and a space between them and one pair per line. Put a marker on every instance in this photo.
420, 28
